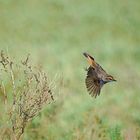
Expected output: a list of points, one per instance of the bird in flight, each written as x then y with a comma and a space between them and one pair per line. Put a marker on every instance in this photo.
96, 77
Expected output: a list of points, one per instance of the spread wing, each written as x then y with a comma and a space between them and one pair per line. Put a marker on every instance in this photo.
92, 82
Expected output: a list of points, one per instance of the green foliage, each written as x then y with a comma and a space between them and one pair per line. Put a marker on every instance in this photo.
115, 133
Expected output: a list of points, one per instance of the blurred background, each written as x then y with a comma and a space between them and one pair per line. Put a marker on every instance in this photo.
56, 33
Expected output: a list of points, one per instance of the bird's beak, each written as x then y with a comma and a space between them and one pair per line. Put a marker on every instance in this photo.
113, 80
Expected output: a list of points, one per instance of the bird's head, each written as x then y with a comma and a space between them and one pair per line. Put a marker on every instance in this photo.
110, 78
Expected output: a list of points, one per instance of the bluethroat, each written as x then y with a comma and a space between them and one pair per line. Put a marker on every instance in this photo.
96, 77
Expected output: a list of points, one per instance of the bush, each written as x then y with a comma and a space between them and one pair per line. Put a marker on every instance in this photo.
30, 93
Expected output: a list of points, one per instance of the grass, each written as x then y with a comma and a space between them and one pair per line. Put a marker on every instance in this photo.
56, 33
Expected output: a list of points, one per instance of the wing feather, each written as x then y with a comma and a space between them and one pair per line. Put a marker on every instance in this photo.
92, 82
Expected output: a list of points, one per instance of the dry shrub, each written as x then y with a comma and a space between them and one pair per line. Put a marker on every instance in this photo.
29, 89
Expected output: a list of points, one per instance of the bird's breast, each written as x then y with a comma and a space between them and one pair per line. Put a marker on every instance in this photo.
102, 82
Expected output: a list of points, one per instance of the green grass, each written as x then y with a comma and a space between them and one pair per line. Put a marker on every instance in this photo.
115, 133
55, 33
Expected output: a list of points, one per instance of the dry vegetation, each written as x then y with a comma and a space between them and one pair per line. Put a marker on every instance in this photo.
30, 93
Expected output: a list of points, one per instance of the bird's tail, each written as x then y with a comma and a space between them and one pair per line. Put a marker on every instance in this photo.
87, 55
90, 59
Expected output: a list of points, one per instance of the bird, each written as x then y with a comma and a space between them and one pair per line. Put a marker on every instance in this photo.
96, 76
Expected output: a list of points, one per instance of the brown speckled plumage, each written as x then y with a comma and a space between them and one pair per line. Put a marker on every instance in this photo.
96, 77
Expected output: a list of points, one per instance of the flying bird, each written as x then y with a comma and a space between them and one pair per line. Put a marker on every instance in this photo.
96, 77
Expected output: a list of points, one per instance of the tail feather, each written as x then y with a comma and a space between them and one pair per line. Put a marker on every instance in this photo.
90, 59
87, 55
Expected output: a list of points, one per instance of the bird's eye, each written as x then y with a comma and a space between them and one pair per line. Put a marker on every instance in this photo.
110, 78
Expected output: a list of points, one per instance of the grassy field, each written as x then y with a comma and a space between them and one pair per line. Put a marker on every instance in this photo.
55, 33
